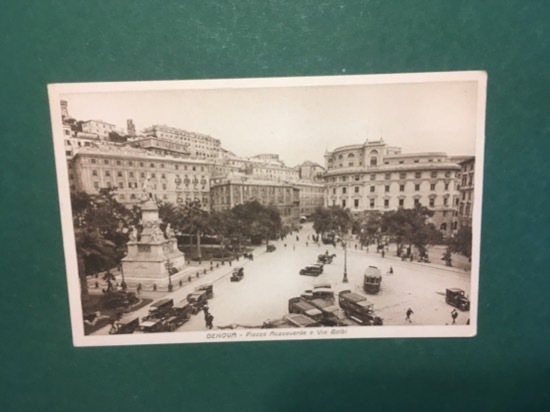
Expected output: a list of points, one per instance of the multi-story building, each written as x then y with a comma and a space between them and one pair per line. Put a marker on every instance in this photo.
227, 192
161, 146
270, 167
312, 195
466, 191
375, 176
98, 127
198, 145
310, 171
128, 169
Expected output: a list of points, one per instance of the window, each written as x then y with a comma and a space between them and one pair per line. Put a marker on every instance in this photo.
373, 161
432, 187
350, 164
401, 188
418, 175
118, 162
387, 176
153, 175
447, 174
334, 191
416, 161
372, 188
68, 153
432, 202
417, 187
131, 174
94, 172
434, 173
445, 201
162, 165
130, 163
402, 175
373, 177
446, 186
107, 173
119, 174
386, 189
356, 189
132, 196
164, 186
401, 162
143, 175
141, 164
357, 177
401, 202
372, 203
356, 203
120, 185
343, 190
92, 160
343, 202
96, 185
417, 202
163, 176
106, 161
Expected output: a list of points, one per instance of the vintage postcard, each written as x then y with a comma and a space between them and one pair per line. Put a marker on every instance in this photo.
271, 209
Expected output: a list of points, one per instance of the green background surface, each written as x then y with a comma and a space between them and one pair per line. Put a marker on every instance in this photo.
506, 367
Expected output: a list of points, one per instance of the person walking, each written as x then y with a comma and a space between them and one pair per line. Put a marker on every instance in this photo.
209, 319
454, 315
138, 288
391, 270
409, 313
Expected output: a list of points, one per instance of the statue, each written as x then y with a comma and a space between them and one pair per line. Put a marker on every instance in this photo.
134, 234
146, 189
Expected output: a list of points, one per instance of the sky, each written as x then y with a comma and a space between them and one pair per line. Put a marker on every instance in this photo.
301, 123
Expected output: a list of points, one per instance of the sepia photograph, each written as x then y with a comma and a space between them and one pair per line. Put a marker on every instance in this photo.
292, 208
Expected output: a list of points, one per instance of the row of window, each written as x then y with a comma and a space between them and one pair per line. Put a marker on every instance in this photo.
142, 164
356, 189
401, 203
388, 176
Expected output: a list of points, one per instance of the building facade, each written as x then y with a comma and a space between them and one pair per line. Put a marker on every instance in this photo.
228, 192
466, 191
171, 179
198, 145
311, 194
310, 171
98, 127
374, 176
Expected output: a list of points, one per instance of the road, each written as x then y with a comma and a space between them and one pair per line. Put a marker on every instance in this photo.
271, 279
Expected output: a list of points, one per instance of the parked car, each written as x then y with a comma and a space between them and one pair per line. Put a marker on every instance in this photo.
311, 270
301, 306
270, 248
456, 297
197, 300
237, 274
125, 325
301, 321
159, 309
208, 288
357, 308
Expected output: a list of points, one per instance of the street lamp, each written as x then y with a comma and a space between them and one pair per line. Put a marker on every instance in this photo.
345, 244
169, 266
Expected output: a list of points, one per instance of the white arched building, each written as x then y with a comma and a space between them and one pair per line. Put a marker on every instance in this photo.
375, 176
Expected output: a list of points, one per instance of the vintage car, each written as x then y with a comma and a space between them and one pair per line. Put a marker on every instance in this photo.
152, 325
301, 306
237, 274
457, 298
159, 309
372, 280
197, 300
312, 270
208, 287
270, 248
357, 308
182, 311
125, 325
301, 321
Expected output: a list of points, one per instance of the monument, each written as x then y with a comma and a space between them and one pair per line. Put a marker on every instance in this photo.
153, 256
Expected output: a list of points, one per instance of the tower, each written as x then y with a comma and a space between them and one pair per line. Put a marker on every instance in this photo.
131, 128
64, 109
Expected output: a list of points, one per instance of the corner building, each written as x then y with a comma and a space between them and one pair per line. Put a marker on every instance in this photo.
376, 177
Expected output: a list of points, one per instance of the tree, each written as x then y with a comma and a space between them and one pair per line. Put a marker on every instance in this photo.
196, 221
369, 227
462, 242
101, 231
332, 219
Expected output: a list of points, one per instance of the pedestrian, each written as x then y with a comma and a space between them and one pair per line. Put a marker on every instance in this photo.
181, 283
96, 284
391, 270
138, 288
356, 246
468, 321
285, 244
297, 238
409, 313
307, 244
206, 312
383, 254
454, 315
208, 320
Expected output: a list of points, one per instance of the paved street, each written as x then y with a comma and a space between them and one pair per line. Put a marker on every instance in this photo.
272, 278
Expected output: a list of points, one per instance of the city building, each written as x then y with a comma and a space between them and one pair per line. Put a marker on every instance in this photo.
98, 127
227, 192
311, 194
198, 145
172, 179
130, 128
161, 146
270, 167
310, 171
375, 176
466, 191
